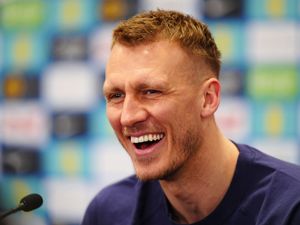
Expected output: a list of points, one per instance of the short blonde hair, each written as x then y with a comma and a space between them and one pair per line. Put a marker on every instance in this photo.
191, 34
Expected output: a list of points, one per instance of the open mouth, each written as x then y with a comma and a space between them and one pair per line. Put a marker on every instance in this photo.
145, 141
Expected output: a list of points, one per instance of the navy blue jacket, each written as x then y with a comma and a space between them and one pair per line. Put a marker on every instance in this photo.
264, 191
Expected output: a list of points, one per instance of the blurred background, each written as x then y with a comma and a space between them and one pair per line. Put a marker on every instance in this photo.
54, 136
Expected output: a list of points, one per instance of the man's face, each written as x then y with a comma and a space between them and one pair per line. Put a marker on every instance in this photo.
153, 106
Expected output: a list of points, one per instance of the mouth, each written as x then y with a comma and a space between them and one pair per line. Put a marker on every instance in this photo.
145, 141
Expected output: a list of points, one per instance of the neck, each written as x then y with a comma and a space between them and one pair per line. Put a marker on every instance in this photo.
198, 187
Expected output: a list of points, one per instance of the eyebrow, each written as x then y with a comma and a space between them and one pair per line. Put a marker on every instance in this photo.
142, 86
137, 85
107, 88
158, 85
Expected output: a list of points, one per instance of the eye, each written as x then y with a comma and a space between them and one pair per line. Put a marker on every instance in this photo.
151, 91
115, 97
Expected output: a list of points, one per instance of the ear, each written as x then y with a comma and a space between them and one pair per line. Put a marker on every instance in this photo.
211, 92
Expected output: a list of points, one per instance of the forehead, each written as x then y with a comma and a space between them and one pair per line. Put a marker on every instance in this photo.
162, 51
158, 61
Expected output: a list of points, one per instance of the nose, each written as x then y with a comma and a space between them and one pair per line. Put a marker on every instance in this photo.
133, 111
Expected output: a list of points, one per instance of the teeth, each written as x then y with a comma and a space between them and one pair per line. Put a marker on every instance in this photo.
150, 137
147, 137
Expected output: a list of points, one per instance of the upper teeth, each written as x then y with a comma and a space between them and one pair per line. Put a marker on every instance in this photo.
147, 137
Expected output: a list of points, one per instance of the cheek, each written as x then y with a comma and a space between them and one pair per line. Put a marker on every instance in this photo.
113, 118
162, 115
178, 117
169, 111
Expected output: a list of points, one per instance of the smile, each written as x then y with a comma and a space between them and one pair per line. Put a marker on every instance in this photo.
147, 140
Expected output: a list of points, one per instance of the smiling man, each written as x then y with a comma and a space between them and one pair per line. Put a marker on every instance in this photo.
162, 89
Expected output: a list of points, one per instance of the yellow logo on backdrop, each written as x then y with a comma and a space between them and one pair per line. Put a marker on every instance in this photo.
20, 189
71, 13
112, 10
22, 50
224, 41
70, 159
14, 87
274, 120
275, 7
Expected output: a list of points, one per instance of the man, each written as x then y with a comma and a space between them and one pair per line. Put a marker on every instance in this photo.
162, 91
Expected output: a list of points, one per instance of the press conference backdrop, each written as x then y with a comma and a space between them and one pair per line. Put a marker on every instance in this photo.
55, 139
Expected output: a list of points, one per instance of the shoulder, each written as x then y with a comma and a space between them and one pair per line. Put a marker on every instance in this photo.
273, 186
122, 191
270, 164
115, 202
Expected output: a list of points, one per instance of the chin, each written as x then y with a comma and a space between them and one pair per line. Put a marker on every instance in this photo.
145, 177
145, 174
149, 174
